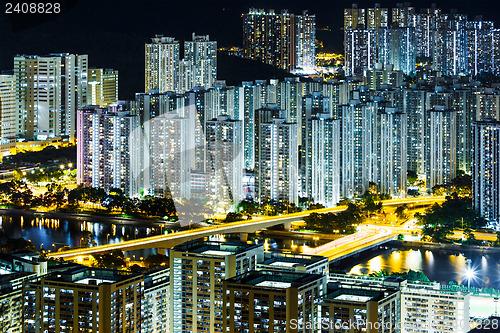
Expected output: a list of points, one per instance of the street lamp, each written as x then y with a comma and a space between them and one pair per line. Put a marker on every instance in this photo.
41, 245
107, 238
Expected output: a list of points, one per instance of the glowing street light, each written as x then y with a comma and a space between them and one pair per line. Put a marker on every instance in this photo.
470, 273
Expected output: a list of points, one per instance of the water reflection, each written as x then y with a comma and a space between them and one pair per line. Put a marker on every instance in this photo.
438, 265
52, 234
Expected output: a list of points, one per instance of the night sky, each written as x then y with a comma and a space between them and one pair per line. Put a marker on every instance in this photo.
113, 32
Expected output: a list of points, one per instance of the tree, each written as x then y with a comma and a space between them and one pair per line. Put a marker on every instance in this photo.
401, 212
344, 202
113, 260
315, 206
86, 239
470, 238
156, 260
437, 233
382, 273
17, 244
411, 177
233, 217
248, 207
440, 220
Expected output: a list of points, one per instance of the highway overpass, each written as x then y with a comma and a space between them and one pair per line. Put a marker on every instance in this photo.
162, 242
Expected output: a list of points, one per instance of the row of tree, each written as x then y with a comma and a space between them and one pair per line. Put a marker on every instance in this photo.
439, 221
19, 194
344, 222
49, 154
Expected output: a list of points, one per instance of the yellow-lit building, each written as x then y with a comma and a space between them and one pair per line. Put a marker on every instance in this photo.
102, 87
84, 299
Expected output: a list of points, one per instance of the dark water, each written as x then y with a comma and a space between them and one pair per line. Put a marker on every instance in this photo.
52, 234
438, 265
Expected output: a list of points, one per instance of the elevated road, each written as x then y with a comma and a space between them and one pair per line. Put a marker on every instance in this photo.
362, 240
247, 226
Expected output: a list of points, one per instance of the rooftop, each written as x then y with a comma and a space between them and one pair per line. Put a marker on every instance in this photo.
355, 295
91, 276
274, 279
213, 248
290, 259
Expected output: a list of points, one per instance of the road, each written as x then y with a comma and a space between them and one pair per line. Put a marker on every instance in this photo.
247, 226
366, 237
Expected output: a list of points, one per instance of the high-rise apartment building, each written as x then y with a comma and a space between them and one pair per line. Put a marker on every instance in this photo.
425, 307
285, 40
383, 75
272, 301
276, 161
464, 103
360, 50
224, 168
452, 43
197, 271
201, 52
102, 87
392, 153
108, 149
440, 146
8, 108
11, 300
322, 177
50, 89
487, 104
172, 142
171, 155
376, 17
155, 305
312, 104
162, 64
403, 306
167, 71
486, 170
354, 17
358, 147
396, 47
360, 308
84, 299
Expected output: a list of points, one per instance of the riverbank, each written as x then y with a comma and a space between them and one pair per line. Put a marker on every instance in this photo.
86, 216
443, 246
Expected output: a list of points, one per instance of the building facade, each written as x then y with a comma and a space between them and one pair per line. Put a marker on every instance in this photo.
8, 109
108, 149
197, 271
102, 87
83, 298
271, 301
486, 170
50, 89
283, 40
